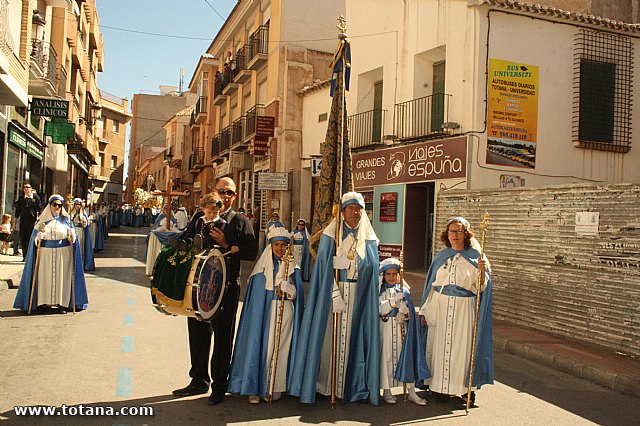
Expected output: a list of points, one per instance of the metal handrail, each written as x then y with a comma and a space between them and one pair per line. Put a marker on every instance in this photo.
422, 116
366, 128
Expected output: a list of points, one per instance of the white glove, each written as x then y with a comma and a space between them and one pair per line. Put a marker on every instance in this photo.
340, 262
403, 308
71, 236
39, 237
288, 288
395, 299
338, 305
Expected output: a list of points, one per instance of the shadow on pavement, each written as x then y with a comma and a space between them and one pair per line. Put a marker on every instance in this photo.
195, 410
588, 400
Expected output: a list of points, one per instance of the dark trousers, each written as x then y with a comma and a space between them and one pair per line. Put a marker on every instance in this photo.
26, 228
223, 328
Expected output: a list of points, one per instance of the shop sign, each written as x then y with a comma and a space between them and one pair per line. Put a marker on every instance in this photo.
265, 127
258, 147
33, 150
223, 169
61, 131
53, 108
420, 162
389, 250
17, 139
273, 181
388, 207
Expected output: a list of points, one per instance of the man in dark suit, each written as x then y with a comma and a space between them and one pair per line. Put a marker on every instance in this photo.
223, 325
27, 210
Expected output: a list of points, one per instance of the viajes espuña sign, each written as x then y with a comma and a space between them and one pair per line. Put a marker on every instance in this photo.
53, 108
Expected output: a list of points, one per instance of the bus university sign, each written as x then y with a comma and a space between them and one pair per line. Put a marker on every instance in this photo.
52, 108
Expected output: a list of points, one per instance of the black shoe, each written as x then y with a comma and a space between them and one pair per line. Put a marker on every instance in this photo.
191, 390
215, 398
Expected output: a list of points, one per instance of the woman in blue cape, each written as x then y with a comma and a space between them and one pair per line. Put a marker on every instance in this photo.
300, 239
59, 264
81, 224
402, 355
273, 223
253, 359
448, 311
355, 300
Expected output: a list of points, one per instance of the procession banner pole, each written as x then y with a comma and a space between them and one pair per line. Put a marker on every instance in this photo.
402, 323
483, 225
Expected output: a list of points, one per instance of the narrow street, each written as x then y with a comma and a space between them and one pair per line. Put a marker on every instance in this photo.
122, 353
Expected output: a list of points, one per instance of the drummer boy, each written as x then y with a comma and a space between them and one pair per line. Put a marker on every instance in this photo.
201, 234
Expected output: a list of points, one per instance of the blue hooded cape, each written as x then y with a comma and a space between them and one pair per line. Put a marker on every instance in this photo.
362, 379
305, 263
248, 375
412, 366
99, 243
24, 291
483, 366
87, 253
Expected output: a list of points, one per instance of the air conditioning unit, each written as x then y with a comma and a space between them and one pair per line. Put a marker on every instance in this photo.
197, 186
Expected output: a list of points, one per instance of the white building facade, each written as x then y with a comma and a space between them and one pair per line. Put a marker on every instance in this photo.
483, 94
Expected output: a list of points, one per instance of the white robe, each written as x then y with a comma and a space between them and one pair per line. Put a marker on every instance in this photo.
80, 222
285, 344
55, 267
448, 351
390, 340
348, 293
297, 248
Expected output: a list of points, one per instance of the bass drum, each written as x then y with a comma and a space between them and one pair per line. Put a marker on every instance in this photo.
203, 291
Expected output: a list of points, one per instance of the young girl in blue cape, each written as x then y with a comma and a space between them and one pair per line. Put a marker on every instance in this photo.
451, 288
402, 356
54, 243
253, 358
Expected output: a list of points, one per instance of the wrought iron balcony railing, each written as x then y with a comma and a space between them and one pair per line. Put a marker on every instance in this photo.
366, 128
44, 56
197, 157
237, 133
421, 117
258, 42
250, 120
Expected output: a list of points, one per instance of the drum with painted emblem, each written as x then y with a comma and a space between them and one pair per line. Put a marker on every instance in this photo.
203, 290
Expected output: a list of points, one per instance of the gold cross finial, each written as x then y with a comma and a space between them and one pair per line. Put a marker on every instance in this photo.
342, 25
485, 221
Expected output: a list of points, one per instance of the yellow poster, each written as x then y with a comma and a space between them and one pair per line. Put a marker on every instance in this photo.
512, 114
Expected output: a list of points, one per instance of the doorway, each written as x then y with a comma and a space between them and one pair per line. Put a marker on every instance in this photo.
418, 233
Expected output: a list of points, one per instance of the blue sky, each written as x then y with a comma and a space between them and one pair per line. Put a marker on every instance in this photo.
139, 63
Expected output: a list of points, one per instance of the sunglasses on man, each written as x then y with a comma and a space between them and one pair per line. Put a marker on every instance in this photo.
225, 192
56, 205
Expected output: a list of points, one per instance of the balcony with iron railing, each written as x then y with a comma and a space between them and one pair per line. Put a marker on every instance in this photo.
219, 84
422, 117
250, 120
258, 48
366, 128
196, 162
199, 113
243, 75
215, 146
43, 79
225, 139
61, 80
237, 131
229, 73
